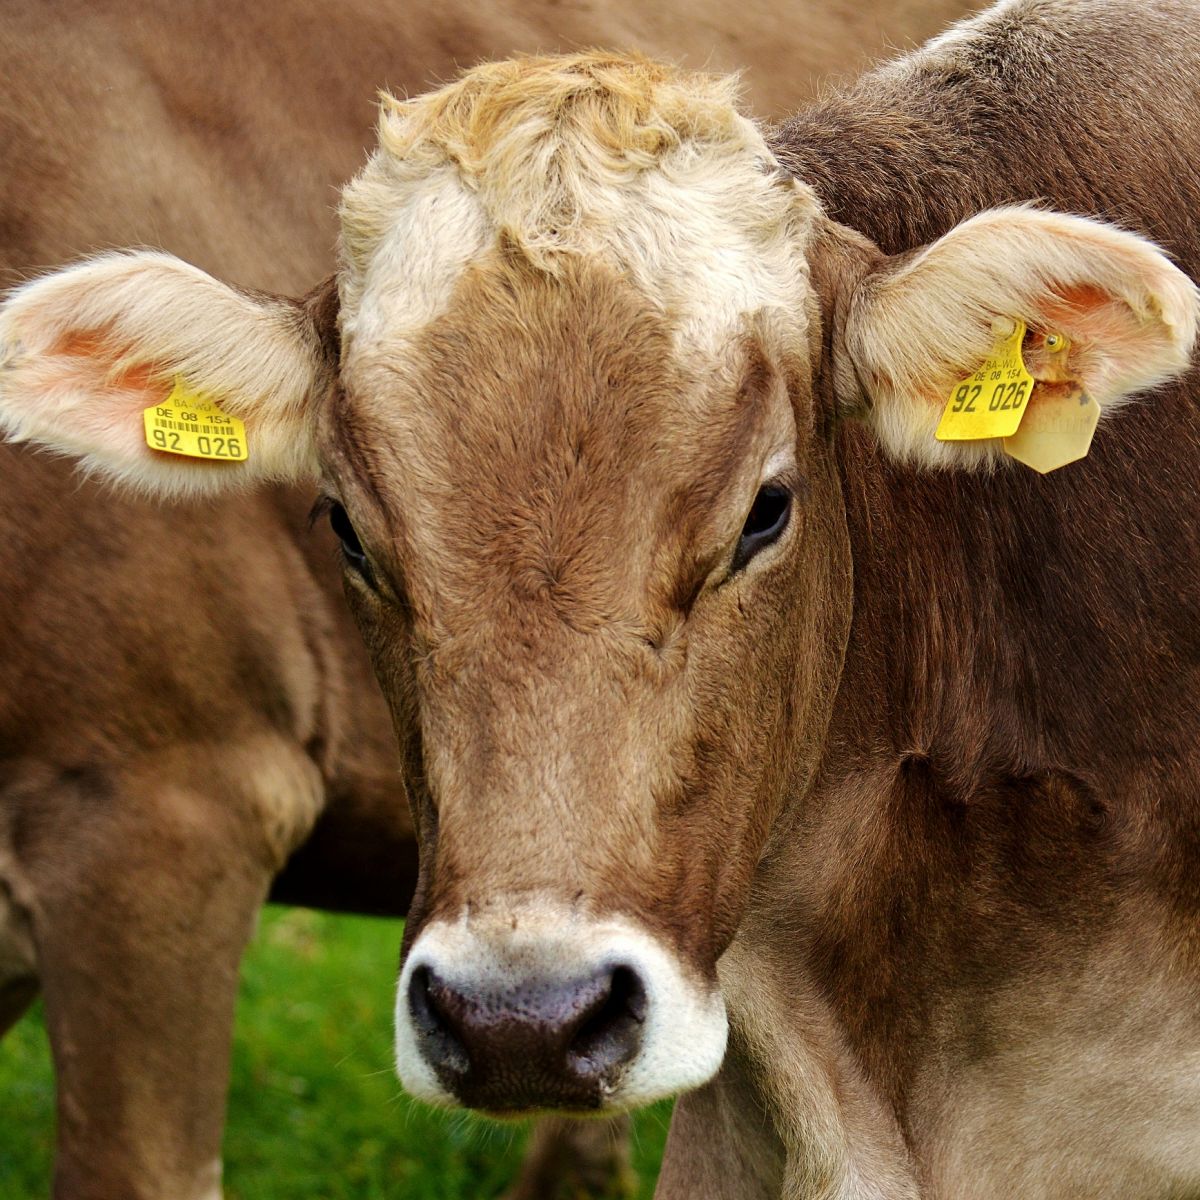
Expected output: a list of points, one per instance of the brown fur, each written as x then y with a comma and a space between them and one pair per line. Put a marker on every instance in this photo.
251, 144
197, 126
516, 600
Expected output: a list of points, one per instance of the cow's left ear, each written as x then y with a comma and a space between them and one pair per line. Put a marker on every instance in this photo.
914, 326
231, 378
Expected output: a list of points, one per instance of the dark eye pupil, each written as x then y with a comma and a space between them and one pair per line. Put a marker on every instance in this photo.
768, 514
351, 546
767, 519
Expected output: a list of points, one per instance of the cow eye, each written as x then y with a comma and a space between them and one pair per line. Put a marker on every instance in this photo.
351, 546
765, 523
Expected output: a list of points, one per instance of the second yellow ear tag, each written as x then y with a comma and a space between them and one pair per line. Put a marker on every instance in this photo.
1057, 430
991, 402
190, 424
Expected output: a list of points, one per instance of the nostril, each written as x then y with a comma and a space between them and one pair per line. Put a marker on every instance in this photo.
419, 1002
435, 1024
611, 1032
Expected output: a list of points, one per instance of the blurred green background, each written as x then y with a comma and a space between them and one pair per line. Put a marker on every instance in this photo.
314, 1108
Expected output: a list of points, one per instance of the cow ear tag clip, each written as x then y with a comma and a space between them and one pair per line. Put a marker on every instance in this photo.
1044, 423
190, 424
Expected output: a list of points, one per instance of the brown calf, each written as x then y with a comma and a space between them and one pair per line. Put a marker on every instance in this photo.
760, 743
166, 746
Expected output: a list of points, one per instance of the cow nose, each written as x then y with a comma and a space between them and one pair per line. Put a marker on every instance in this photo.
534, 1044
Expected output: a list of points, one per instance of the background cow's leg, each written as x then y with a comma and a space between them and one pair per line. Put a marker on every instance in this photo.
140, 969
18, 965
576, 1158
145, 894
722, 1144
16, 995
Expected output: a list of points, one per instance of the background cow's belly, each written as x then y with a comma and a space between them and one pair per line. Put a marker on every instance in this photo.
1094, 1092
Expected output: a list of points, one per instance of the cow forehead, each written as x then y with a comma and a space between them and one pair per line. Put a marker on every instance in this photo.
644, 167
549, 272
539, 440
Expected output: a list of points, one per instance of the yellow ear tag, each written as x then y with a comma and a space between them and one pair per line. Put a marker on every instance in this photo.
990, 403
186, 423
1057, 428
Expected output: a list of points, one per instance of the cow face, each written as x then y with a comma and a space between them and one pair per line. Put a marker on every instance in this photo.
592, 574
598, 559
574, 424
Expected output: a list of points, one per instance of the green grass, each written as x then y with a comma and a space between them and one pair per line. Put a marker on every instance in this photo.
314, 1108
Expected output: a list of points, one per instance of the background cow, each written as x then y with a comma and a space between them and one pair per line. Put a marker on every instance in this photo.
182, 703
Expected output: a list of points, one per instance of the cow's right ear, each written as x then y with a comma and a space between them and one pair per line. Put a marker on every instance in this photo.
86, 350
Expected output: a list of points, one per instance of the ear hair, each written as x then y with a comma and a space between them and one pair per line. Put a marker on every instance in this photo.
88, 348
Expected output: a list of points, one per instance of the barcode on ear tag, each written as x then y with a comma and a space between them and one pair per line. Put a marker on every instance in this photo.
192, 425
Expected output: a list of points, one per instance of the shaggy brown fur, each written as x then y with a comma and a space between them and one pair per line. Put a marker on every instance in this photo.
220, 131
1009, 796
1003, 766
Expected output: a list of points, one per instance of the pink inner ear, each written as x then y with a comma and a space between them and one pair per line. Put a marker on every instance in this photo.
1082, 297
1111, 345
95, 352
74, 396
79, 345
1080, 309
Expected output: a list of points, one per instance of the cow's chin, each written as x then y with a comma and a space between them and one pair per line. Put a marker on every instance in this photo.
537, 1008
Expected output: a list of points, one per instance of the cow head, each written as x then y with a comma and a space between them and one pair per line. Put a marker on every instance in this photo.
572, 412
